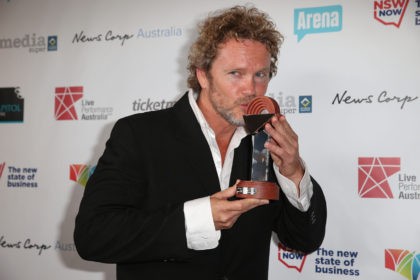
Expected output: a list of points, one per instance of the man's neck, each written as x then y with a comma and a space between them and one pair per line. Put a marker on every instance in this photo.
220, 126
222, 129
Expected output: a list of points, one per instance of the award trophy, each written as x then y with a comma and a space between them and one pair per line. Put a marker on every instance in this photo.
258, 113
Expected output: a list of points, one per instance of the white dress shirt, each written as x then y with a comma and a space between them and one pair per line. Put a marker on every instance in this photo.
200, 231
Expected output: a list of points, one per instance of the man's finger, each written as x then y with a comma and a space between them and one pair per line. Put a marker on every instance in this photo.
225, 194
246, 204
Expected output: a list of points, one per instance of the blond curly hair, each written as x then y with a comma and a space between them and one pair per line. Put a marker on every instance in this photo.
239, 22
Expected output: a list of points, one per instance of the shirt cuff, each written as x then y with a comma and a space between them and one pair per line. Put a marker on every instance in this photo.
199, 225
303, 201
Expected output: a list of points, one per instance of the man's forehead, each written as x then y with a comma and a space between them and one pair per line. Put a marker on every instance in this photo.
235, 51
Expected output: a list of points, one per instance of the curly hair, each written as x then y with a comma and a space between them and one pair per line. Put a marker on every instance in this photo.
238, 22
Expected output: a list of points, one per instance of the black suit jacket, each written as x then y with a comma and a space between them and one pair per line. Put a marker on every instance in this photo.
131, 212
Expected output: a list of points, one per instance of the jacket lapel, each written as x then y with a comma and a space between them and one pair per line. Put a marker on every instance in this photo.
194, 146
241, 167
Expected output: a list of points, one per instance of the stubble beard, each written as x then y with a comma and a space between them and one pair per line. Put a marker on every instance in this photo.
230, 118
228, 113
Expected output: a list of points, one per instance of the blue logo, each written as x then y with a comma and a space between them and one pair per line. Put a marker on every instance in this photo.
52, 43
305, 104
317, 20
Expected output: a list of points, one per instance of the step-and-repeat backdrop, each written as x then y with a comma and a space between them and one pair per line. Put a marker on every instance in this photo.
348, 82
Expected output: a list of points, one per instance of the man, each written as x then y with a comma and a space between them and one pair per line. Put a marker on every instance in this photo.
159, 203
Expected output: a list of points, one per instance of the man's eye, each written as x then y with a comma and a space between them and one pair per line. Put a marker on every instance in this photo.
261, 74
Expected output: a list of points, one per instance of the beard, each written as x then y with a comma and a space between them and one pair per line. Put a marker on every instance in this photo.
225, 111
228, 113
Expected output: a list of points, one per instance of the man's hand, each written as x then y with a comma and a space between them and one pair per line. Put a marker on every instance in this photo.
225, 212
284, 148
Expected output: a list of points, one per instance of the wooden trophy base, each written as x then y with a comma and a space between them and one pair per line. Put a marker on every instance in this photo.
257, 189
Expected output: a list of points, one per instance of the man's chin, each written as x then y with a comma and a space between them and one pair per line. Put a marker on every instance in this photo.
233, 119
236, 122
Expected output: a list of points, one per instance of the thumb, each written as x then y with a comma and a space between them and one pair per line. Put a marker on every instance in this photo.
227, 193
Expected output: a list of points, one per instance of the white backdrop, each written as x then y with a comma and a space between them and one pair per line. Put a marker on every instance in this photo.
77, 66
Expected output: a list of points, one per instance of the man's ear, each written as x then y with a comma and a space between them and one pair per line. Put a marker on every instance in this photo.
202, 78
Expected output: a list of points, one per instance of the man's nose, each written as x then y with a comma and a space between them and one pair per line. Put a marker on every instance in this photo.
249, 86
